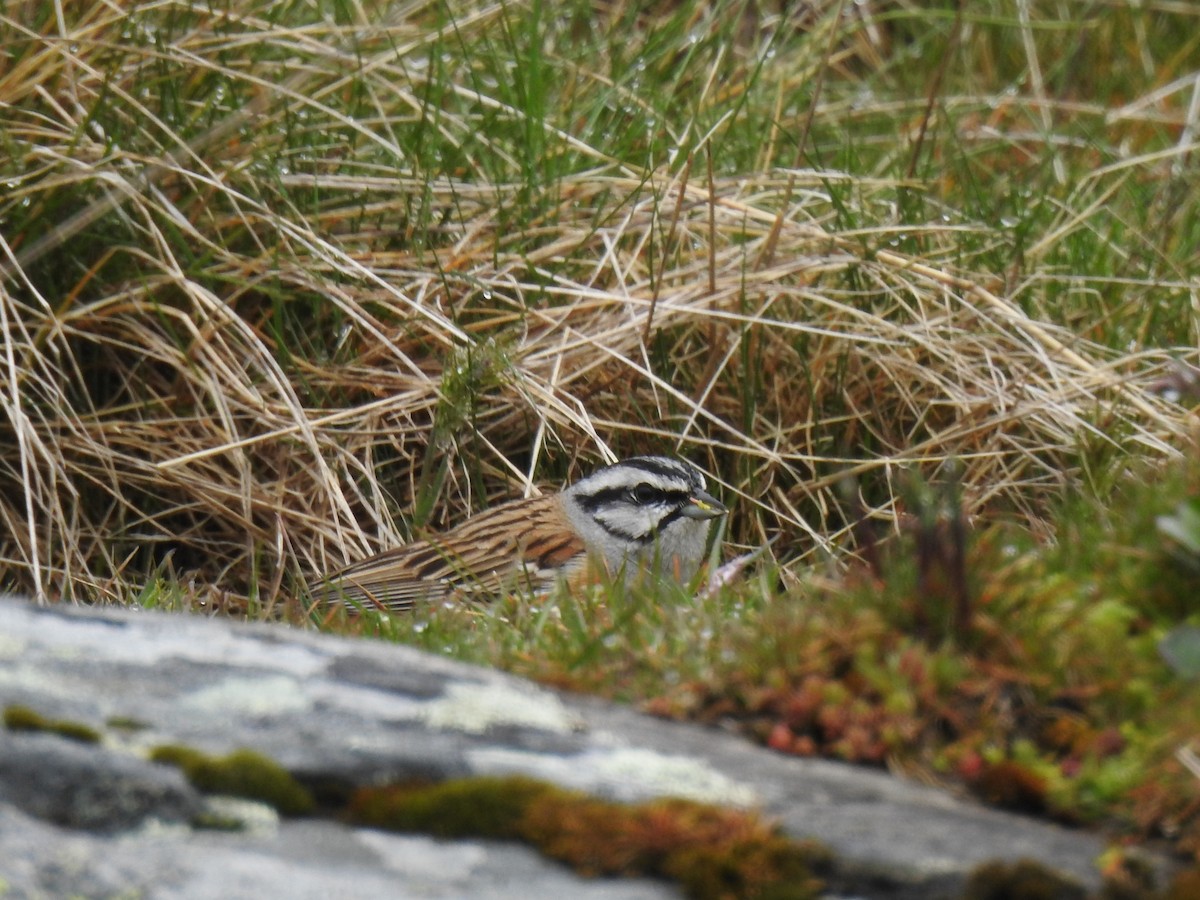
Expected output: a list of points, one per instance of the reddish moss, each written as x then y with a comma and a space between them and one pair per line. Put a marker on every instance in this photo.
1067, 736
714, 853
1010, 785
594, 837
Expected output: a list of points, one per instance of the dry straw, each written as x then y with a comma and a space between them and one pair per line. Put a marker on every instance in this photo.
163, 413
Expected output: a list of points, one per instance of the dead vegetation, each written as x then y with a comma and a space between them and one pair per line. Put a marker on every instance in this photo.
251, 333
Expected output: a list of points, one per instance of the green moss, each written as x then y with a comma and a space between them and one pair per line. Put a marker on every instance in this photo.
763, 867
243, 773
177, 755
712, 852
22, 718
212, 821
76, 731
126, 723
474, 807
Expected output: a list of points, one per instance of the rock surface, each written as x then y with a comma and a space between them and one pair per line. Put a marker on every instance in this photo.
98, 820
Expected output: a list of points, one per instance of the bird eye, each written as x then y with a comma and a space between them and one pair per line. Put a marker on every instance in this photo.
643, 494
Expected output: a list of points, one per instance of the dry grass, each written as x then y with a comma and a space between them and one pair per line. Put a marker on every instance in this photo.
247, 331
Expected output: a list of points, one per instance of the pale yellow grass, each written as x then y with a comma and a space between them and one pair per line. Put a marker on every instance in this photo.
156, 421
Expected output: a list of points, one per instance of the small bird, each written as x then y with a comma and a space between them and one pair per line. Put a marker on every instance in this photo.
646, 514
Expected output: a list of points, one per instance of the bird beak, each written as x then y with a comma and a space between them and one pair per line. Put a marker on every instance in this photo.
702, 505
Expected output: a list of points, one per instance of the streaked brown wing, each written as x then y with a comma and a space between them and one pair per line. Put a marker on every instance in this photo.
521, 545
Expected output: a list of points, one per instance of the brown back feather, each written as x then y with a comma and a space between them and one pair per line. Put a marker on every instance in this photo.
520, 545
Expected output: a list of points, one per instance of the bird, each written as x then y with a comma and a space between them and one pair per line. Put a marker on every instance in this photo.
646, 515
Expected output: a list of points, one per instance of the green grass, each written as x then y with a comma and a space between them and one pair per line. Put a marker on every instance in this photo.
283, 284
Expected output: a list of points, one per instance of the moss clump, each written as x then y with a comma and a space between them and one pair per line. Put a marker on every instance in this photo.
1021, 880
179, 756
22, 718
212, 821
126, 723
243, 773
713, 853
768, 867
471, 807
1011, 785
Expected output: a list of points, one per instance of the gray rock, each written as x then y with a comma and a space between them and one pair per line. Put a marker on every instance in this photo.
340, 713
89, 788
301, 860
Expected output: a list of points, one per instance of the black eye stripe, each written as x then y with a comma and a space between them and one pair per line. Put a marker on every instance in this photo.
644, 537
652, 496
673, 516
